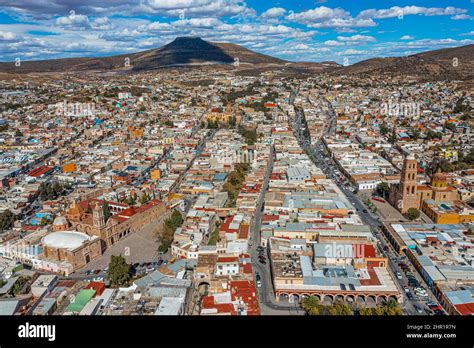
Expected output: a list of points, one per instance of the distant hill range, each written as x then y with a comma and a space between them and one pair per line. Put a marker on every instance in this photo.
449, 63
193, 51
183, 51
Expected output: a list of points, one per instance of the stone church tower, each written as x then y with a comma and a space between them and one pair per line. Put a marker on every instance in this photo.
98, 217
408, 186
405, 195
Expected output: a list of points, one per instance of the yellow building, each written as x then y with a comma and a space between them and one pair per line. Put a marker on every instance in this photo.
451, 212
155, 174
69, 168
219, 117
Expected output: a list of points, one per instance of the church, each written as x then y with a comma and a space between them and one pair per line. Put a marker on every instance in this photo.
90, 217
408, 194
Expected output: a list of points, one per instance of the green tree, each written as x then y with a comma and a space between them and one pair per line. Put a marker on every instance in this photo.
166, 236
383, 189
144, 198
413, 214
119, 271
367, 311
390, 308
312, 306
339, 309
383, 128
7, 218
107, 212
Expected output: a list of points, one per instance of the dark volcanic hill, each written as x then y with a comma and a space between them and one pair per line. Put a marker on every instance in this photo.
183, 51
448, 63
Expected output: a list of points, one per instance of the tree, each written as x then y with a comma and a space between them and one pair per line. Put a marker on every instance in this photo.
144, 198
119, 271
7, 218
107, 213
413, 214
312, 306
383, 189
167, 235
339, 309
390, 308
383, 129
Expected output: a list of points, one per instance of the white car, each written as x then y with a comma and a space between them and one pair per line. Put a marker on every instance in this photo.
259, 284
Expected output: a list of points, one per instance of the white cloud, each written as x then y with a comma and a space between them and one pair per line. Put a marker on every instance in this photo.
333, 43
7, 36
462, 17
396, 11
356, 38
81, 22
272, 13
319, 14
216, 8
352, 52
407, 37
343, 23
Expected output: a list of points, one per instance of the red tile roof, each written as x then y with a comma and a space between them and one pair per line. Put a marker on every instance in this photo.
40, 171
465, 309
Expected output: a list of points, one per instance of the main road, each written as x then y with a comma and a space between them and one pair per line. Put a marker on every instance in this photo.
268, 303
316, 153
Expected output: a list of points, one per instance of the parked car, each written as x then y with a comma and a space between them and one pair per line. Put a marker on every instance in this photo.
259, 284
418, 309
262, 261
399, 275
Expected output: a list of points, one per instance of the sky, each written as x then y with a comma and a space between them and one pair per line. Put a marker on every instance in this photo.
345, 31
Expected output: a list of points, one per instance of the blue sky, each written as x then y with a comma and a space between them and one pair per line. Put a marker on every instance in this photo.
297, 30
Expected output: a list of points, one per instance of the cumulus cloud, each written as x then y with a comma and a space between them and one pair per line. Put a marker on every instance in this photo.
356, 38
407, 37
397, 11
352, 52
272, 13
325, 17
81, 22
7, 36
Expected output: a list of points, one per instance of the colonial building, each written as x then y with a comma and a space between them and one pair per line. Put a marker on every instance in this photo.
90, 218
405, 194
408, 194
75, 248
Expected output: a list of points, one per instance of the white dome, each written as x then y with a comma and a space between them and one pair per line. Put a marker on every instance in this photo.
60, 220
65, 240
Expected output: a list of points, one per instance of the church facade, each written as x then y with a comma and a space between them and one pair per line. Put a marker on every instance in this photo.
89, 217
408, 194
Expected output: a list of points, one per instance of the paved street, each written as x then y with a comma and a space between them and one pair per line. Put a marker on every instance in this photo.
316, 153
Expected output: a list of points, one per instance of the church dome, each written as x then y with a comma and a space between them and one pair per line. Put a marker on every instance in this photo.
439, 179
65, 240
